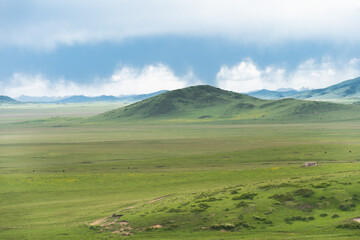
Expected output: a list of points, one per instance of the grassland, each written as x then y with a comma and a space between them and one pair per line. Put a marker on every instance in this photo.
59, 175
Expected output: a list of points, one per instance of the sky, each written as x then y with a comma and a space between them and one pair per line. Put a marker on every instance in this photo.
118, 47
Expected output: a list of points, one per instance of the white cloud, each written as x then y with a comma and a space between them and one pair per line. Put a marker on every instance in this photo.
247, 76
124, 81
45, 24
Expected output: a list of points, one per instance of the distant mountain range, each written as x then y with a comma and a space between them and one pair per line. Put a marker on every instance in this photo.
6, 99
345, 91
207, 103
272, 95
83, 99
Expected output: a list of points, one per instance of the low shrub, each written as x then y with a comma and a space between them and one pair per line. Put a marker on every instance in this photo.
227, 227
323, 215
242, 204
298, 218
243, 224
304, 192
204, 205
197, 210
335, 216
234, 192
245, 196
347, 207
282, 197
322, 185
175, 210
350, 225
257, 218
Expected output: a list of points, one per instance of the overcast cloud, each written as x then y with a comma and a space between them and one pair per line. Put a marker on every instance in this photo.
243, 77
124, 81
247, 76
43, 24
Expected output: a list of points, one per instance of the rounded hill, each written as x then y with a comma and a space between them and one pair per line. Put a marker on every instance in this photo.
203, 102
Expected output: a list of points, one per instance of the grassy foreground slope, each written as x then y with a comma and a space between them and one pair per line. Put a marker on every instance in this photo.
207, 103
56, 182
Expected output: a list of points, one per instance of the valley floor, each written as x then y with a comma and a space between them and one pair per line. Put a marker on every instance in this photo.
221, 180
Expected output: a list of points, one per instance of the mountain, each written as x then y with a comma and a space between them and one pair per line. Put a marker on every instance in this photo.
209, 103
349, 89
267, 94
104, 98
24, 98
6, 99
81, 99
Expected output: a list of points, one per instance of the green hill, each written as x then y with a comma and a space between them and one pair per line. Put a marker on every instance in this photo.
346, 89
207, 103
6, 99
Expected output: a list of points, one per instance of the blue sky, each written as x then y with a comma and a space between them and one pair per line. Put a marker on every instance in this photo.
61, 48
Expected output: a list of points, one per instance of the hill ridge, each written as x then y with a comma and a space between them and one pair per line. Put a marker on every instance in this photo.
204, 102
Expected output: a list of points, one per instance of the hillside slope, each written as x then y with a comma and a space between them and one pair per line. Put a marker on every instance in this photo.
272, 95
6, 99
345, 89
209, 103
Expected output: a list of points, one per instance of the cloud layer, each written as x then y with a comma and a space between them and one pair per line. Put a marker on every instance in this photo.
242, 77
46, 24
247, 76
124, 81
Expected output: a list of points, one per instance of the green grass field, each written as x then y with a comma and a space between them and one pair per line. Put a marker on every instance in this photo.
221, 179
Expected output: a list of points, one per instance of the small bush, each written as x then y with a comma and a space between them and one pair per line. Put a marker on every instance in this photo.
322, 185
350, 225
257, 218
347, 207
234, 192
298, 218
242, 204
197, 210
245, 196
268, 222
175, 210
356, 197
227, 227
262, 219
204, 205
335, 216
96, 228
244, 224
304, 192
210, 199
323, 215
282, 197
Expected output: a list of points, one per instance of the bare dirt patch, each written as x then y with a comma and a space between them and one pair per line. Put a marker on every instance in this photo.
122, 227
98, 222
156, 226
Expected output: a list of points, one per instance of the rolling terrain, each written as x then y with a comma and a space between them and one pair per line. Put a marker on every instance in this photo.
6, 99
207, 103
345, 92
349, 89
272, 95
192, 169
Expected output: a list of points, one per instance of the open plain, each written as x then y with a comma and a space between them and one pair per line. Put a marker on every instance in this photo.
69, 178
